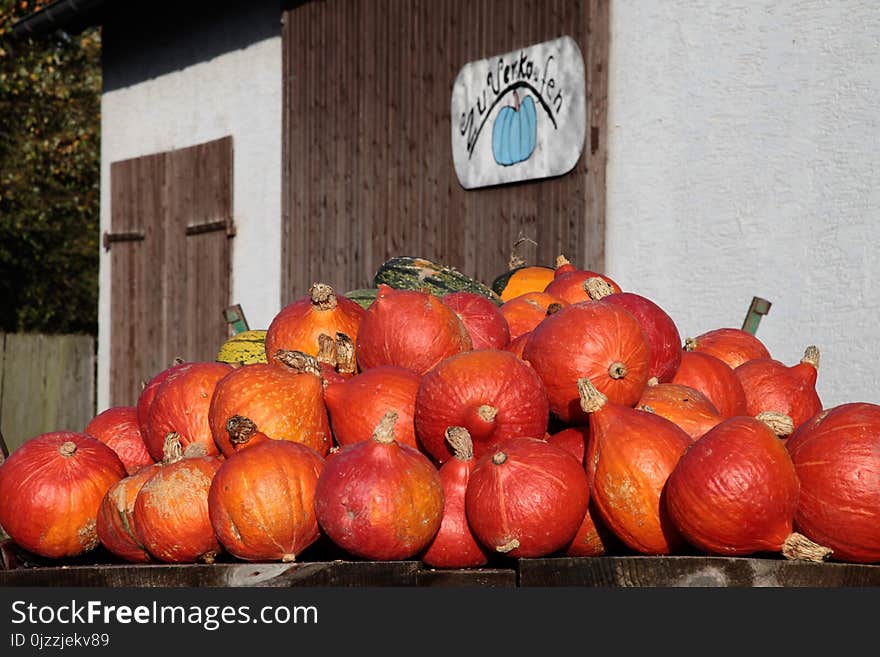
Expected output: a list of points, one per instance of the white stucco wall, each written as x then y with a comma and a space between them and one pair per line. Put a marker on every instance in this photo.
235, 93
744, 160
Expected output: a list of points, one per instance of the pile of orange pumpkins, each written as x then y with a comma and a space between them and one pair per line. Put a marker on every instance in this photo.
567, 417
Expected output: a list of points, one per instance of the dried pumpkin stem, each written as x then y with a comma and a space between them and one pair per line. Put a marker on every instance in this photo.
326, 350
597, 288
172, 448
323, 296
487, 413
346, 362
653, 381
516, 259
811, 356
562, 260
384, 431
288, 558
241, 429
460, 440
592, 399
299, 361
512, 544
68, 449
617, 370
780, 423
499, 458
690, 344
554, 308
799, 547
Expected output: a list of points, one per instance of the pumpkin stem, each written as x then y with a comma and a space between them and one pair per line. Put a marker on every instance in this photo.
512, 544
798, 546
345, 356
240, 429
384, 431
562, 260
323, 296
172, 448
690, 344
811, 356
647, 409
299, 361
592, 399
515, 101
460, 440
498, 458
653, 381
554, 308
209, 557
288, 558
780, 423
516, 260
177, 361
487, 413
597, 288
617, 370
68, 449
326, 350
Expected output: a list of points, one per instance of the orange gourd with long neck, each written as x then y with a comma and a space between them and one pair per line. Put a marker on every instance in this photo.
454, 545
630, 456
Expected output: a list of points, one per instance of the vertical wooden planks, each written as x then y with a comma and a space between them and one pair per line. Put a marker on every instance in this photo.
168, 290
382, 181
48, 385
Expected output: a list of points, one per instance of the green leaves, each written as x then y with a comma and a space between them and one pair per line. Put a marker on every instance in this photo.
49, 178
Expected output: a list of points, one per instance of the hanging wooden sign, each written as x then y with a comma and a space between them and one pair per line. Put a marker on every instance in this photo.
520, 115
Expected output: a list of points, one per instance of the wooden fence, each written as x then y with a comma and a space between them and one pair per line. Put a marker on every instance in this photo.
47, 383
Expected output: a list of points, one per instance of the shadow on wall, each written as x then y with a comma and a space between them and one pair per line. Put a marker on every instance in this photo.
142, 41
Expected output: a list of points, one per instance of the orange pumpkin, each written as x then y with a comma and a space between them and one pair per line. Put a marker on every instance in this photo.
283, 404
525, 312
300, 325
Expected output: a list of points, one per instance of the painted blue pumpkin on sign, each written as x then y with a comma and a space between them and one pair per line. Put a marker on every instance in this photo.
515, 131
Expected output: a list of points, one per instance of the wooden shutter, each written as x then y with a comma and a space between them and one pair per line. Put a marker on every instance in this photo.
368, 170
171, 218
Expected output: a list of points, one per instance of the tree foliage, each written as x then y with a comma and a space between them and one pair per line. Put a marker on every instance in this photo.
49, 177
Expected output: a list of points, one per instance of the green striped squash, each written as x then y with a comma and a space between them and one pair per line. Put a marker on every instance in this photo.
363, 296
244, 348
408, 273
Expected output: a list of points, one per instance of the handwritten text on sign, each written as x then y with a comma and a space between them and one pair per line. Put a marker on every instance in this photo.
520, 115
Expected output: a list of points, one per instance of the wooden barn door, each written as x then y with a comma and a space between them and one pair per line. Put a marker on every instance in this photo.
171, 219
368, 168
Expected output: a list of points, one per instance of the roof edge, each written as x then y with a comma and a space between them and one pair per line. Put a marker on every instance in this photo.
68, 15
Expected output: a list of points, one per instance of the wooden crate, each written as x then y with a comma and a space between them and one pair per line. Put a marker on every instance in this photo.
692, 571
